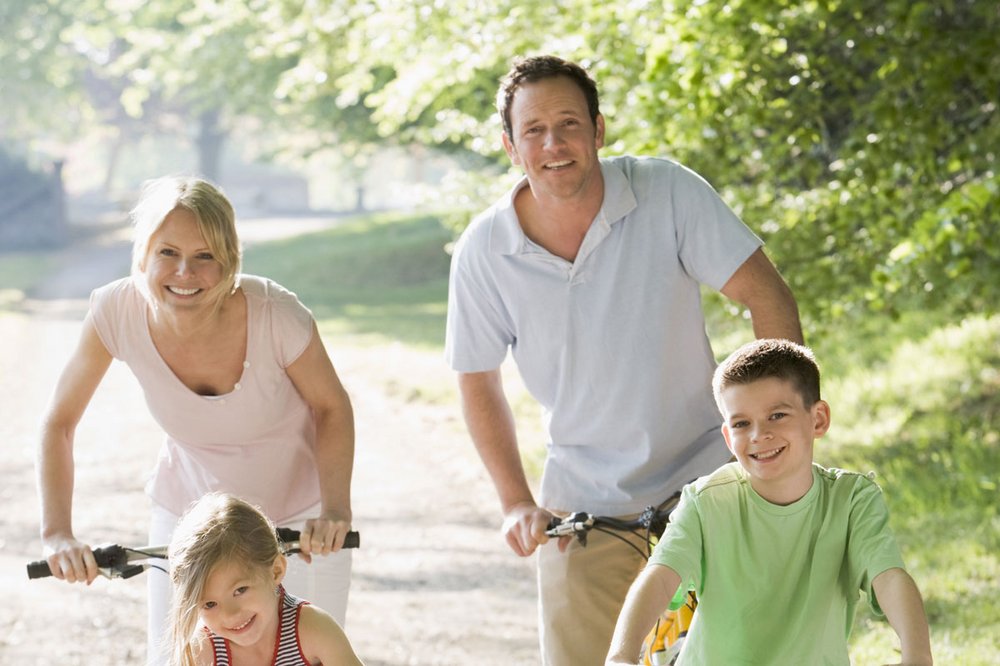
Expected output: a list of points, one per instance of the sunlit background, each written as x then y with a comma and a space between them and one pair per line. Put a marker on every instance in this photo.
356, 139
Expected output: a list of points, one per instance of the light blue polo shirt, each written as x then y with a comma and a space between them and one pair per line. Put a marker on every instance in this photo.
613, 344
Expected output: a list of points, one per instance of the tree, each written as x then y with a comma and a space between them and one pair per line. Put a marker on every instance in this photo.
41, 72
860, 137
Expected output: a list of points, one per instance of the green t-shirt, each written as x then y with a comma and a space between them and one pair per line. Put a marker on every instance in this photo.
776, 584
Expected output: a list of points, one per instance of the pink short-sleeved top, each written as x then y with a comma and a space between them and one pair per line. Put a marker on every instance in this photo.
257, 441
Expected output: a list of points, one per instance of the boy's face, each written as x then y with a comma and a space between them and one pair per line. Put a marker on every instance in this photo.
771, 433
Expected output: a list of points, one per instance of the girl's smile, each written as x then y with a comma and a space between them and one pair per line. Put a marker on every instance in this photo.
241, 604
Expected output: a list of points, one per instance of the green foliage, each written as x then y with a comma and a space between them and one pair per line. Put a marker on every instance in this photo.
858, 137
383, 276
928, 420
39, 69
953, 556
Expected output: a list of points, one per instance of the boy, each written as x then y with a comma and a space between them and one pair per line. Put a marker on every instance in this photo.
775, 546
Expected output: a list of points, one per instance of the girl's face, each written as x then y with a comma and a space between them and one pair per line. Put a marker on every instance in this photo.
180, 268
240, 604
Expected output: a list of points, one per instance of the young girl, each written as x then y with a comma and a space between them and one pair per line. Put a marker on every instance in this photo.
229, 606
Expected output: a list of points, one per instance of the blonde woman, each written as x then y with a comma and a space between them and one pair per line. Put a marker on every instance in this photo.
234, 371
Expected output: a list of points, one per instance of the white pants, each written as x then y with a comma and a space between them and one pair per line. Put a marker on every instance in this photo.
324, 583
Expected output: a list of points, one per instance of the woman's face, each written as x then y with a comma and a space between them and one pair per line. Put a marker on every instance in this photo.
180, 268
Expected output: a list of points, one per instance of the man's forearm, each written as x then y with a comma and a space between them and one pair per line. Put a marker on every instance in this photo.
491, 426
759, 287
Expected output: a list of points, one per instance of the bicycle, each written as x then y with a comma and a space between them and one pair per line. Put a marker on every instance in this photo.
663, 644
117, 561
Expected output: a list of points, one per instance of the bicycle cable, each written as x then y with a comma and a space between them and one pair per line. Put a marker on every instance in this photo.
618, 535
140, 551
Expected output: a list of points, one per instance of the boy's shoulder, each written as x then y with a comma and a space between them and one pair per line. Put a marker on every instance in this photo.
834, 476
728, 475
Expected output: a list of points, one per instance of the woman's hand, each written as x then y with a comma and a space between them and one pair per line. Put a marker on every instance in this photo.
70, 560
323, 535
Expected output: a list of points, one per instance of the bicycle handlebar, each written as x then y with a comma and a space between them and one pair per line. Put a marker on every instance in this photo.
290, 540
111, 557
652, 519
117, 561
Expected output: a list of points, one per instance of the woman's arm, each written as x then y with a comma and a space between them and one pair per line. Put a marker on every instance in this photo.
900, 600
68, 558
317, 382
649, 596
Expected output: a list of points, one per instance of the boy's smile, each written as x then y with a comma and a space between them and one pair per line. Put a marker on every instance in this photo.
771, 433
768, 455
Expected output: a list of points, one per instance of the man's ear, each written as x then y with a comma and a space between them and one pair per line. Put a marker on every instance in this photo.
726, 435
821, 418
279, 568
599, 133
508, 146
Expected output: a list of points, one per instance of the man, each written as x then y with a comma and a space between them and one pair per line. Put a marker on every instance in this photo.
589, 272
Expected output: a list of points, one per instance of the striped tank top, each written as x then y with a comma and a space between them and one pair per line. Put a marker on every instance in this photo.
287, 651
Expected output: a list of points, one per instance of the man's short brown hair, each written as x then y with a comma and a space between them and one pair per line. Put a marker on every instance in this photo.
537, 68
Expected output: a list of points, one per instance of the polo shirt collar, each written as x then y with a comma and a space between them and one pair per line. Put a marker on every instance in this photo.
506, 235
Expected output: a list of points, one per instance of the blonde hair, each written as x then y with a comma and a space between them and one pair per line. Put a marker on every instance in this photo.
219, 528
213, 213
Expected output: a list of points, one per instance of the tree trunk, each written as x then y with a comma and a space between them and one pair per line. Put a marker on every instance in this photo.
211, 137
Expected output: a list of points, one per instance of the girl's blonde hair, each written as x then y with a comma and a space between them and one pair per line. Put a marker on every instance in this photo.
219, 528
213, 213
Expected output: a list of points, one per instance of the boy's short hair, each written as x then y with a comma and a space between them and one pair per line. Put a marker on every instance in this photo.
760, 359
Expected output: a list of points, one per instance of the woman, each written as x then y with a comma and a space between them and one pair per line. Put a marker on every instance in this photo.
236, 374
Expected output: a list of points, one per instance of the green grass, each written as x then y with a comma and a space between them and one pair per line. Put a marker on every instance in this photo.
19, 271
926, 418
381, 278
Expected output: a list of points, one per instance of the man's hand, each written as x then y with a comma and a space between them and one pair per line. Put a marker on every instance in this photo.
524, 526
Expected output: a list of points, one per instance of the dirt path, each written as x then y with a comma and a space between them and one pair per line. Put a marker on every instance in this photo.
433, 582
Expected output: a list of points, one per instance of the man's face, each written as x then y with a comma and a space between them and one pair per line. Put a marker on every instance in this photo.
553, 138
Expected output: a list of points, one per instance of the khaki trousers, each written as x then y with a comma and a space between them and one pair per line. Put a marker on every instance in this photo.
580, 594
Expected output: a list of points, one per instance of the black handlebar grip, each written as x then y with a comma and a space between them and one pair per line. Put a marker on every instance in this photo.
288, 535
39, 569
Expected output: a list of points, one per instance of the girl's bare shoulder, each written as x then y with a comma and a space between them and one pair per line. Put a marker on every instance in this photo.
322, 639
